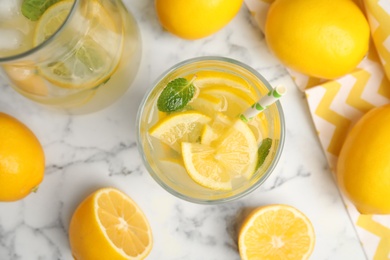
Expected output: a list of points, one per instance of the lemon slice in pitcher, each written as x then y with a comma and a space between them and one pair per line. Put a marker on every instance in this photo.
83, 60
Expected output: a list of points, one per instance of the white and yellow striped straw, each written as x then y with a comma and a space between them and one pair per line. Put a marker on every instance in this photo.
263, 103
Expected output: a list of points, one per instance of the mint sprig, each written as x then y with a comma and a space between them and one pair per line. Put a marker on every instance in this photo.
263, 151
33, 9
176, 95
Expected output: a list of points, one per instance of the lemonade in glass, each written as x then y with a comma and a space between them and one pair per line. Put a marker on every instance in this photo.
76, 55
191, 137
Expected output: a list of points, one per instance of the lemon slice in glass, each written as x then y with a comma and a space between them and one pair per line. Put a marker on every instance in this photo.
206, 79
215, 129
233, 155
234, 101
180, 127
82, 60
207, 104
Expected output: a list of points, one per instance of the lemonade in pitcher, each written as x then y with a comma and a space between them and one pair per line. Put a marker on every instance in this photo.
192, 139
76, 55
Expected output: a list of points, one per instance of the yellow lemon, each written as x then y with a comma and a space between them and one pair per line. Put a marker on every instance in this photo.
179, 127
108, 224
195, 19
233, 154
207, 104
212, 131
22, 159
320, 38
211, 78
363, 168
25, 78
276, 232
234, 101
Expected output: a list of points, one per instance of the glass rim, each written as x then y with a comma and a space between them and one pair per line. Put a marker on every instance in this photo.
47, 41
180, 195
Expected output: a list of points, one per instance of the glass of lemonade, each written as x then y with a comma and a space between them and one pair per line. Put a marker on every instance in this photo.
192, 140
77, 55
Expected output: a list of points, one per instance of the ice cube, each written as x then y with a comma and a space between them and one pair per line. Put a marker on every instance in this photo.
9, 8
10, 39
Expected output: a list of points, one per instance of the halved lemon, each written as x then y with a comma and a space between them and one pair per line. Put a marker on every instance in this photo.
179, 127
276, 232
108, 224
83, 60
234, 154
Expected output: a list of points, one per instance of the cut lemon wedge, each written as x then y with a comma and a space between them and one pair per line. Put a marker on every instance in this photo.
179, 127
234, 154
276, 232
84, 60
109, 225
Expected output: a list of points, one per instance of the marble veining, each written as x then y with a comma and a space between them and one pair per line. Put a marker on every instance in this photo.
87, 152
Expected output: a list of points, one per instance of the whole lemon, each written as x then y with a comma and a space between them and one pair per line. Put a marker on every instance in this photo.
363, 168
195, 19
22, 160
320, 38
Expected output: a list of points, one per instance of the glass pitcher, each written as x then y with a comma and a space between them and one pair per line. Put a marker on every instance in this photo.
79, 55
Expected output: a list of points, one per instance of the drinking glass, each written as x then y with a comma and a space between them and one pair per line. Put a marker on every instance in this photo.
224, 89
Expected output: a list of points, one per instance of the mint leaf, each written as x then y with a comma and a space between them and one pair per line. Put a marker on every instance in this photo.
33, 9
88, 54
176, 95
263, 151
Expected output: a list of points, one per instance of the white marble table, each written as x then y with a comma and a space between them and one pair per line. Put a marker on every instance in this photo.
86, 152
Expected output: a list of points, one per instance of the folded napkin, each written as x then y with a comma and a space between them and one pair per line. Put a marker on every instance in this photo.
336, 105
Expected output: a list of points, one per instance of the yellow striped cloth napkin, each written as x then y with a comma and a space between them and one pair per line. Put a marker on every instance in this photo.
336, 105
